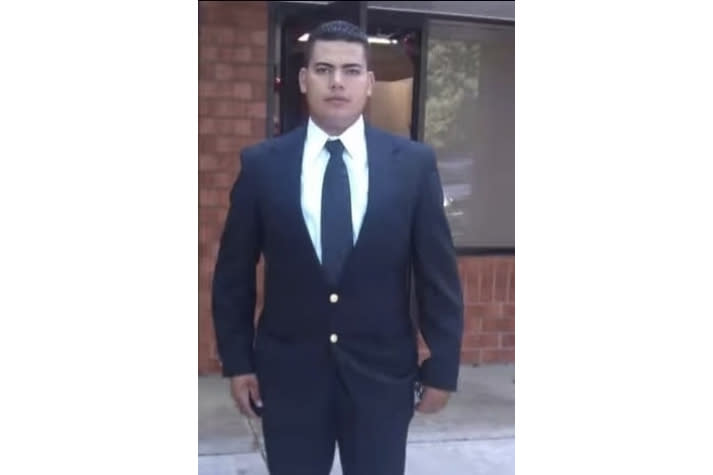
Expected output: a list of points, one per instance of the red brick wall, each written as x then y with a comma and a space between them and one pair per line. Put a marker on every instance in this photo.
232, 88
489, 298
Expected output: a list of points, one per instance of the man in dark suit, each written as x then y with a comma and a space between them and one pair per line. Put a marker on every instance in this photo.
343, 214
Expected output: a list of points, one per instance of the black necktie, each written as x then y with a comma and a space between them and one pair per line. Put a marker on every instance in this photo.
337, 233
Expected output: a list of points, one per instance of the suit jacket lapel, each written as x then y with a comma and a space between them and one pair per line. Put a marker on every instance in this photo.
291, 148
379, 147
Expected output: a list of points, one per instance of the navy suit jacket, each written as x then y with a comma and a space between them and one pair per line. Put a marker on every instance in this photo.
404, 233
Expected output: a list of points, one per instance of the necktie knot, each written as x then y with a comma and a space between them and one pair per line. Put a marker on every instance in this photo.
335, 148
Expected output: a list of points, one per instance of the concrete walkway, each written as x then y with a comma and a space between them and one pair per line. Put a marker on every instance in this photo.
475, 434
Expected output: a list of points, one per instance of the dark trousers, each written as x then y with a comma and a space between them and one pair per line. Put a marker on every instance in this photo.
310, 411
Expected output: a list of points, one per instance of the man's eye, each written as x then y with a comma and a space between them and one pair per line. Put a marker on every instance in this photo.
321, 70
353, 71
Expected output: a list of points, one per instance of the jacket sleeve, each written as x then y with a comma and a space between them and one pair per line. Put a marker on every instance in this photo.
233, 294
437, 284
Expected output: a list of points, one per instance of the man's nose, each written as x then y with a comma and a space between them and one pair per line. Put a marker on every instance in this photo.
337, 78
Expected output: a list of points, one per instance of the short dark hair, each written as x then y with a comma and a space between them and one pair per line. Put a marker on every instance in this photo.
338, 30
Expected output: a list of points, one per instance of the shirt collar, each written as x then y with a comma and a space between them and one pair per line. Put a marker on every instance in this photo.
352, 138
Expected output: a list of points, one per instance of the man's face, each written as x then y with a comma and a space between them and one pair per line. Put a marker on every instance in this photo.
336, 83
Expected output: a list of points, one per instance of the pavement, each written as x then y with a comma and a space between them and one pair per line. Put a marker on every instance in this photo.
474, 434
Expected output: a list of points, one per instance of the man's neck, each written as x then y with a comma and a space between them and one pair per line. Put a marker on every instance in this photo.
333, 131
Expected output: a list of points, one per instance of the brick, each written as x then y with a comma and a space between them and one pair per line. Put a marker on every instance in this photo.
204, 303
259, 38
249, 17
511, 288
206, 126
258, 125
206, 234
243, 37
203, 325
229, 108
490, 324
226, 35
206, 269
472, 264
206, 364
228, 90
241, 90
223, 212
506, 356
258, 54
228, 144
462, 277
212, 217
501, 273
498, 325
205, 181
214, 248
481, 340
484, 310
216, 12
204, 294
209, 197
489, 356
472, 324
207, 162
229, 161
207, 54
206, 71
207, 216
487, 282
250, 72
507, 340
472, 285
234, 54
258, 94
241, 127
207, 143
497, 356
223, 180
204, 306
224, 201
223, 72
207, 88
509, 310
204, 108
211, 180
208, 35
257, 110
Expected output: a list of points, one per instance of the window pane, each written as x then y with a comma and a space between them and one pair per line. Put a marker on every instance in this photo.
470, 121
500, 9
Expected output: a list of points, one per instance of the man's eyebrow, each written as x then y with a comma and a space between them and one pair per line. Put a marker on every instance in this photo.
330, 65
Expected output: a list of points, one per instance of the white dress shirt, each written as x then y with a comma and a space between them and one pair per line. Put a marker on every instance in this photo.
314, 164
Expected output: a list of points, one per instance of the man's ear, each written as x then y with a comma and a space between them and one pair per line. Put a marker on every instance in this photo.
372, 80
303, 80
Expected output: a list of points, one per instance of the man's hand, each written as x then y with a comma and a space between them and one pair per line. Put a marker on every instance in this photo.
433, 400
243, 388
